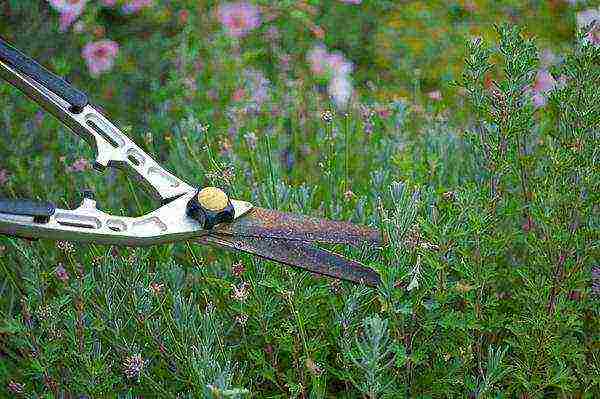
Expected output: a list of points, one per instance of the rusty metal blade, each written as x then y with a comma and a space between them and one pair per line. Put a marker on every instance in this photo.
267, 223
299, 254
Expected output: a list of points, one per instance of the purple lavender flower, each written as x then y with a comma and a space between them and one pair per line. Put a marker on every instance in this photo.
596, 281
15, 387
80, 165
239, 18
133, 366
61, 273
3, 177
133, 6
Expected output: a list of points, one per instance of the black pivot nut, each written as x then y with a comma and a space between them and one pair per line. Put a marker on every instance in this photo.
210, 206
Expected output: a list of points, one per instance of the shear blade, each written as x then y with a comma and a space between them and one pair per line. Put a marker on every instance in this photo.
299, 254
267, 223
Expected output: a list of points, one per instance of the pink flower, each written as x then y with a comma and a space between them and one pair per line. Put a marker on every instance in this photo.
323, 62
544, 83
239, 94
239, 18
338, 65
80, 165
134, 6
64, 6
435, 95
317, 59
69, 11
3, 177
100, 56
108, 3
340, 90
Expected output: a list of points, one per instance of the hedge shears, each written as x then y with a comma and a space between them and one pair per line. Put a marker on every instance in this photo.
205, 215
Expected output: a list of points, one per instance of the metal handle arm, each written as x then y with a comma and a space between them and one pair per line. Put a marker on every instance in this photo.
114, 149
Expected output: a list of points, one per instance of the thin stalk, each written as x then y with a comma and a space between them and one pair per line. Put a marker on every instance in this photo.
271, 172
331, 163
346, 152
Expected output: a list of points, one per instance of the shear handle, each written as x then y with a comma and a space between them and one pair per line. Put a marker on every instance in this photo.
27, 66
40, 211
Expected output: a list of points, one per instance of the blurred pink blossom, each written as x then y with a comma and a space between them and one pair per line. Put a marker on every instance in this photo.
317, 59
239, 18
100, 56
3, 177
323, 62
238, 94
435, 95
340, 90
69, 11
63, 6
544, 83
134, 6
108, 3
585, 18
338, 64
336, 68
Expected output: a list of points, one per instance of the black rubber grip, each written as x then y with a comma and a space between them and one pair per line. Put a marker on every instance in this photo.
39, 210
27, 66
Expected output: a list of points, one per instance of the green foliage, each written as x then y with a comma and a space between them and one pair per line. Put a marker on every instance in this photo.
489, 202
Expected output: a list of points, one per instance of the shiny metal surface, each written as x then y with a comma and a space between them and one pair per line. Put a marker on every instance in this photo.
168, 223
113, 148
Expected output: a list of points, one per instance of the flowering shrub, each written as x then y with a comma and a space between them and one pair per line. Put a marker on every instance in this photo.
473, 147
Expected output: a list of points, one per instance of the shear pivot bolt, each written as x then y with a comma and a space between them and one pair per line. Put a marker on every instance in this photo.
213, 199
210, 206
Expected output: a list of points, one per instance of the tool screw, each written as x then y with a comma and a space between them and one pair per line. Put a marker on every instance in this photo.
210, 206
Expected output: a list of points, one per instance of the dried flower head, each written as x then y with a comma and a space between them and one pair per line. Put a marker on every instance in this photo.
240, 293
237, 269
241, 319
157, 288
348, 195
449, 196
327, 116
65, 246
251, 140
133, 366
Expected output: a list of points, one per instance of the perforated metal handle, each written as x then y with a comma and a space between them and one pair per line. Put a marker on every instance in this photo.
22, 63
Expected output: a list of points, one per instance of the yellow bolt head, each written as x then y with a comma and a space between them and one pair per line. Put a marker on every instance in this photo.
213, 199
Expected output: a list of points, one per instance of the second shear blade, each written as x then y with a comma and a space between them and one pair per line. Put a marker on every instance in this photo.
298, 254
